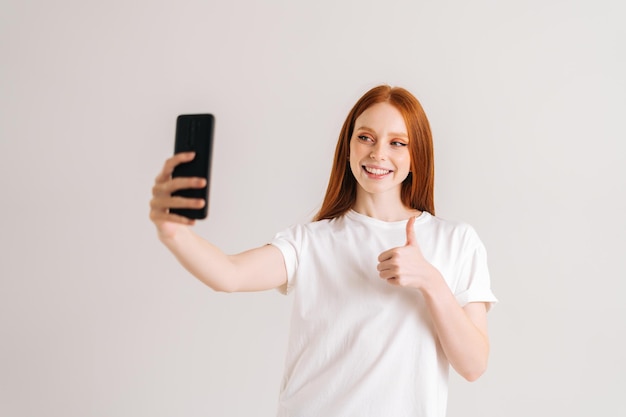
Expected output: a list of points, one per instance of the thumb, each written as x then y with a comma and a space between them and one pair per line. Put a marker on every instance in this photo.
410, 232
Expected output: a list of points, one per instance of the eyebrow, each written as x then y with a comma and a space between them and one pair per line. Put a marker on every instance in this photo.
394, 134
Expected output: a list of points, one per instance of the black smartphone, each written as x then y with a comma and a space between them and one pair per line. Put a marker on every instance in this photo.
194, 132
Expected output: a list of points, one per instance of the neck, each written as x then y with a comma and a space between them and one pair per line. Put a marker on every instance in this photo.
383, 208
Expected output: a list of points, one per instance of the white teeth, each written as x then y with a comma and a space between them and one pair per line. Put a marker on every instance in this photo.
377, 171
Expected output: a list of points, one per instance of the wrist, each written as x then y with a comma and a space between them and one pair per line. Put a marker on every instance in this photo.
171, 236
435, 285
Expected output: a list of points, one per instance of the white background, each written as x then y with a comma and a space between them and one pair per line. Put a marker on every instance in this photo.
526, 100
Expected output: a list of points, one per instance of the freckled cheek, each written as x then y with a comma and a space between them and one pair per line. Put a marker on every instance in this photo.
404, 163
356, 155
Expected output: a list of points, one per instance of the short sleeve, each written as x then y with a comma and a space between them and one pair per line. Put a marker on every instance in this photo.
288, 243
474, 284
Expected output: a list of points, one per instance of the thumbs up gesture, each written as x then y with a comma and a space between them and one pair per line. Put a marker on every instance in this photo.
405, 266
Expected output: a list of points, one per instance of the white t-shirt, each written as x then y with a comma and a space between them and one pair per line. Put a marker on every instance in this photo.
359, 346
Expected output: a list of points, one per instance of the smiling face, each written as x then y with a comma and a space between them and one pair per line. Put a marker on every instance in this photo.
350, 188
379, 153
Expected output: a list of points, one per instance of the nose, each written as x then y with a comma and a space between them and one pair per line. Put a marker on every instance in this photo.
378, 153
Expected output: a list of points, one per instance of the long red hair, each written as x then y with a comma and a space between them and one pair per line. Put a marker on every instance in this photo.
418, 188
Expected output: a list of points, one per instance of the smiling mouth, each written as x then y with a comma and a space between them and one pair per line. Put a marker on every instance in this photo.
376, 171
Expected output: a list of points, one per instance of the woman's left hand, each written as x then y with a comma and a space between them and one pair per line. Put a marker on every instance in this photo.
405, 266
462, 332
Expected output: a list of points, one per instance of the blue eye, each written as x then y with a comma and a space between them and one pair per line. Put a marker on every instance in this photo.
398, 144
364, 138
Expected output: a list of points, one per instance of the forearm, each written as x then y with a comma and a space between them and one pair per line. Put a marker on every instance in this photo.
257, 269
463, 340
202, 259
254, 270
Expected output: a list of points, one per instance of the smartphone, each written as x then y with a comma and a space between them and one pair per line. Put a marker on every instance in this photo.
194, 132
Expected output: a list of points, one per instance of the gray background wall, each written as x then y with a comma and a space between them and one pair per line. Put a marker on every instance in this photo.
526, 100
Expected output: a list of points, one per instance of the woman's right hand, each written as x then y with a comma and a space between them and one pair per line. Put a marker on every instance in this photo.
162, 200
257, 269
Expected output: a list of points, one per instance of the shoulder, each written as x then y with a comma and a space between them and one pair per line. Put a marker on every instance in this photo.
445, 223
453, 230
301, 230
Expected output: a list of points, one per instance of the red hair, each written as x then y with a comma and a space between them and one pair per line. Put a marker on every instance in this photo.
418, 188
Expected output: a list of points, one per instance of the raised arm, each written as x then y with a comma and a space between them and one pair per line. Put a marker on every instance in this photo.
253, 270
462, 331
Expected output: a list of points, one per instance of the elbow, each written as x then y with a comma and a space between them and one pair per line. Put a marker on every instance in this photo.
474, 365
472, 374
470, 368
224, 288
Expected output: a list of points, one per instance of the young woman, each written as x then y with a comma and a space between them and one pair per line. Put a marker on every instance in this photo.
387, 296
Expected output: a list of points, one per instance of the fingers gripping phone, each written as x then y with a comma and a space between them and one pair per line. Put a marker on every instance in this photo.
194, 133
